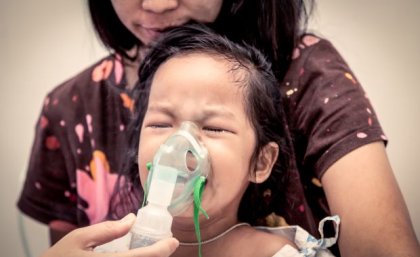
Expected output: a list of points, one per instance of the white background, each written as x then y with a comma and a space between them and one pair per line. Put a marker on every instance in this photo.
43, 43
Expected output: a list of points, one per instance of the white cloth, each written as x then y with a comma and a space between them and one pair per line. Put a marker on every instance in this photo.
308, 246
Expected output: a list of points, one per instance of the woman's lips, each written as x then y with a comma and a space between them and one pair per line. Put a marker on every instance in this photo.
152, 33
149, 33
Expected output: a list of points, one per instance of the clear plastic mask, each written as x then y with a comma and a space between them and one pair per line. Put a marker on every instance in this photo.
184, 154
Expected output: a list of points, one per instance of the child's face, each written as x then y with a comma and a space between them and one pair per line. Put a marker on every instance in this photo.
200, 88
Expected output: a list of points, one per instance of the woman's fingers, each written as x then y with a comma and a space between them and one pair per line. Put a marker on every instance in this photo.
101, 233
80, 242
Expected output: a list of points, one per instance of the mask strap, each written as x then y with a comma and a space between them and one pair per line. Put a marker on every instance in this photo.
149, 167
198, 194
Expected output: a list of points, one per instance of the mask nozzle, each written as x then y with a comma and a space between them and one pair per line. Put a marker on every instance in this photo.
177, 167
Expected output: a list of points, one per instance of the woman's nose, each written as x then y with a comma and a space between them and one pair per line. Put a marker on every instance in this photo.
159, 6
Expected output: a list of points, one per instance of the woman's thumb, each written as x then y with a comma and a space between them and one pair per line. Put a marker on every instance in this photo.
105, 232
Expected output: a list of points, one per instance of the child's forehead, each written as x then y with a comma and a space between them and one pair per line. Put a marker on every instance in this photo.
198, 75
201, 56
236, 69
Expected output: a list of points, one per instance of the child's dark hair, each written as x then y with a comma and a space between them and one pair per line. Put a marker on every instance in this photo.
262, 101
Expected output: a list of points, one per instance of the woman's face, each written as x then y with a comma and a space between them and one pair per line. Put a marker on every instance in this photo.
146, 19
202, 89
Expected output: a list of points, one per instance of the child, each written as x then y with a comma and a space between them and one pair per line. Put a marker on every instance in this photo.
231, 95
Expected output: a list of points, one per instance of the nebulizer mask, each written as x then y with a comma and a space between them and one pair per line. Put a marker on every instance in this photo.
175, 182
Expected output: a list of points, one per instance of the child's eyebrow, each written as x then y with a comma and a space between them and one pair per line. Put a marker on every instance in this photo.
213, 111
208, 112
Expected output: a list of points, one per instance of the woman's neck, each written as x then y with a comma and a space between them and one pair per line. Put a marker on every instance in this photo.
131, 67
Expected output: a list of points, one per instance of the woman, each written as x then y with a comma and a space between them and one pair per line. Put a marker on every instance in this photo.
338, 143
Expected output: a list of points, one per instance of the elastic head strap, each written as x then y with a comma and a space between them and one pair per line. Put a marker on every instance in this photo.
149, 167
198, 194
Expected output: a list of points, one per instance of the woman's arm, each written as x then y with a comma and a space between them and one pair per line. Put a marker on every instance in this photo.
80, 242
362, 189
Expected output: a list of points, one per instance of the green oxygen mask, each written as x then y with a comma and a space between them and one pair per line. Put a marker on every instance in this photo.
175, 182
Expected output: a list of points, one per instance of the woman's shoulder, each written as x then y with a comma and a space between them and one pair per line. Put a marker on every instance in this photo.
106, 70
315, 66
310, 42
86, 91
314, 47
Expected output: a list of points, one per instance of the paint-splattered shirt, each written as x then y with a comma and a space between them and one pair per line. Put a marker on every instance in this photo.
81, 137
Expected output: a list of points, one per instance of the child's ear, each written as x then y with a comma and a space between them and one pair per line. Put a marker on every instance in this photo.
265, 162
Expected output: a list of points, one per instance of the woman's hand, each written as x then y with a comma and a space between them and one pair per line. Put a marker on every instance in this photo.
80, 242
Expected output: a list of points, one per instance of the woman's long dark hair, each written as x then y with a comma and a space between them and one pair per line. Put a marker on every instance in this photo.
262, 101
272, 26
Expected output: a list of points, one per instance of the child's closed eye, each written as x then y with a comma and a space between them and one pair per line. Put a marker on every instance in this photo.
159, 125
215, 130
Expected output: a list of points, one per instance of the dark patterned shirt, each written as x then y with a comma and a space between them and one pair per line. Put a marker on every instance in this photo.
81, 138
